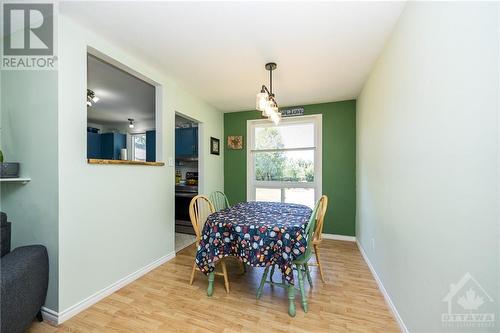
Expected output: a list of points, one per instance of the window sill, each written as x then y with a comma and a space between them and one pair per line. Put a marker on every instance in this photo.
99, 161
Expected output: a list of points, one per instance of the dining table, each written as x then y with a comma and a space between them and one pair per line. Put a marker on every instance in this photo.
260, 234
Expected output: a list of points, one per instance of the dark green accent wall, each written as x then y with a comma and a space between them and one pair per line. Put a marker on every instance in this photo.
339, 161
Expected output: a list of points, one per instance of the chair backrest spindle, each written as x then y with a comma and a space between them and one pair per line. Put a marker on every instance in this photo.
199, 209
219, 200
315, 224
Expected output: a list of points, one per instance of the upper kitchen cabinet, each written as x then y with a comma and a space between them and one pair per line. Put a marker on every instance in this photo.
186, 142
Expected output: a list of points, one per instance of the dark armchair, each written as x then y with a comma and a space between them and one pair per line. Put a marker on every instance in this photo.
24, 280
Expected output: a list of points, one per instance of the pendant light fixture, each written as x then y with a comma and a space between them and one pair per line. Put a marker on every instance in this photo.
131, 122
266, 101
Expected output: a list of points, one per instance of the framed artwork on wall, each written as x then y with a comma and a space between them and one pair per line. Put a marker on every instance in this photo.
235, 142
214, 146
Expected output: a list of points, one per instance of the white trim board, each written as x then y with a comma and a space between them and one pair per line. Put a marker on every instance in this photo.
50, 316
382, 289
57, 318
339, 237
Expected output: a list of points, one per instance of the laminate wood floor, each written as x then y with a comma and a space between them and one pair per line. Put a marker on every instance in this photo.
163, 301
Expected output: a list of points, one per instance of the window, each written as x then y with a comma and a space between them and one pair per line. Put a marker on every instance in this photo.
284, 161
139, 147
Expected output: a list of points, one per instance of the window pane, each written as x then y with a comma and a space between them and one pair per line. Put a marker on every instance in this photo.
297, 166
303, 196
268, 194
140, 147
284, 136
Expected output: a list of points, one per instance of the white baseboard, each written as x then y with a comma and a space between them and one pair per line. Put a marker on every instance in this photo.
339, 237
388, 300
50, 316
56, 318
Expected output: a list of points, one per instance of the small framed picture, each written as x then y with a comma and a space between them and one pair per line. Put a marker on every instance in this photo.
214, 146
235, 142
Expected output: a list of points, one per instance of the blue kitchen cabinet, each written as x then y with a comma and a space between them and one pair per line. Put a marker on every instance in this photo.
186, 142
93, 145
195, 138
150, 146
111, 144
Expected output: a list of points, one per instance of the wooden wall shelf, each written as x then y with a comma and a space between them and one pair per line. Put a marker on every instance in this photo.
99, 161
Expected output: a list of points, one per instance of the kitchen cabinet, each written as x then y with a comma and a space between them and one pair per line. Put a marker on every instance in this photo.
150, 146
105, 146
111, 144
186, 142
93, 145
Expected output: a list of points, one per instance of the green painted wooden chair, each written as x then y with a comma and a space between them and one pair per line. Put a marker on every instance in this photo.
219, 199
300, 265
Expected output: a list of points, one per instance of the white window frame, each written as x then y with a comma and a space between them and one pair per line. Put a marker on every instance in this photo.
252, 184
132, 144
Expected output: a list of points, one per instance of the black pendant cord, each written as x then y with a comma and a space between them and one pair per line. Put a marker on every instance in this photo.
271, 81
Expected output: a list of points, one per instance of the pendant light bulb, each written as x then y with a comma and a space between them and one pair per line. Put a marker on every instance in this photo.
261, 101
275, 118
276, 111
268, 110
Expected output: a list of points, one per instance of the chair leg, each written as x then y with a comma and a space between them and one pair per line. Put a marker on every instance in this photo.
316, 252
210, 289
272, 273
262, 282
308, 274
192, 273
291, 300
224, 271
301, 286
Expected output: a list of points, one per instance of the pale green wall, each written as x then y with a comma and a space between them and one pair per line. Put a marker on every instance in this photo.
115, 220
427, 159
29, 136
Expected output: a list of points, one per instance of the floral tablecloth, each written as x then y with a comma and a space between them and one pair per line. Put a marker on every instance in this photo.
259, 233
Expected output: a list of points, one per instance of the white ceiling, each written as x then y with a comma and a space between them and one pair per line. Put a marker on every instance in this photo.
217, 50
121, 95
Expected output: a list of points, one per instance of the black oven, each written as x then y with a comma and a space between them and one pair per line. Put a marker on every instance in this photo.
183, 196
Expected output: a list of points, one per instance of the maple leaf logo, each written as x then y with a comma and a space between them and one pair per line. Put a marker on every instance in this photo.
470, 301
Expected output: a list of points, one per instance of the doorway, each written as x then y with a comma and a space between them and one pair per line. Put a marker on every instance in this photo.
186, 177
